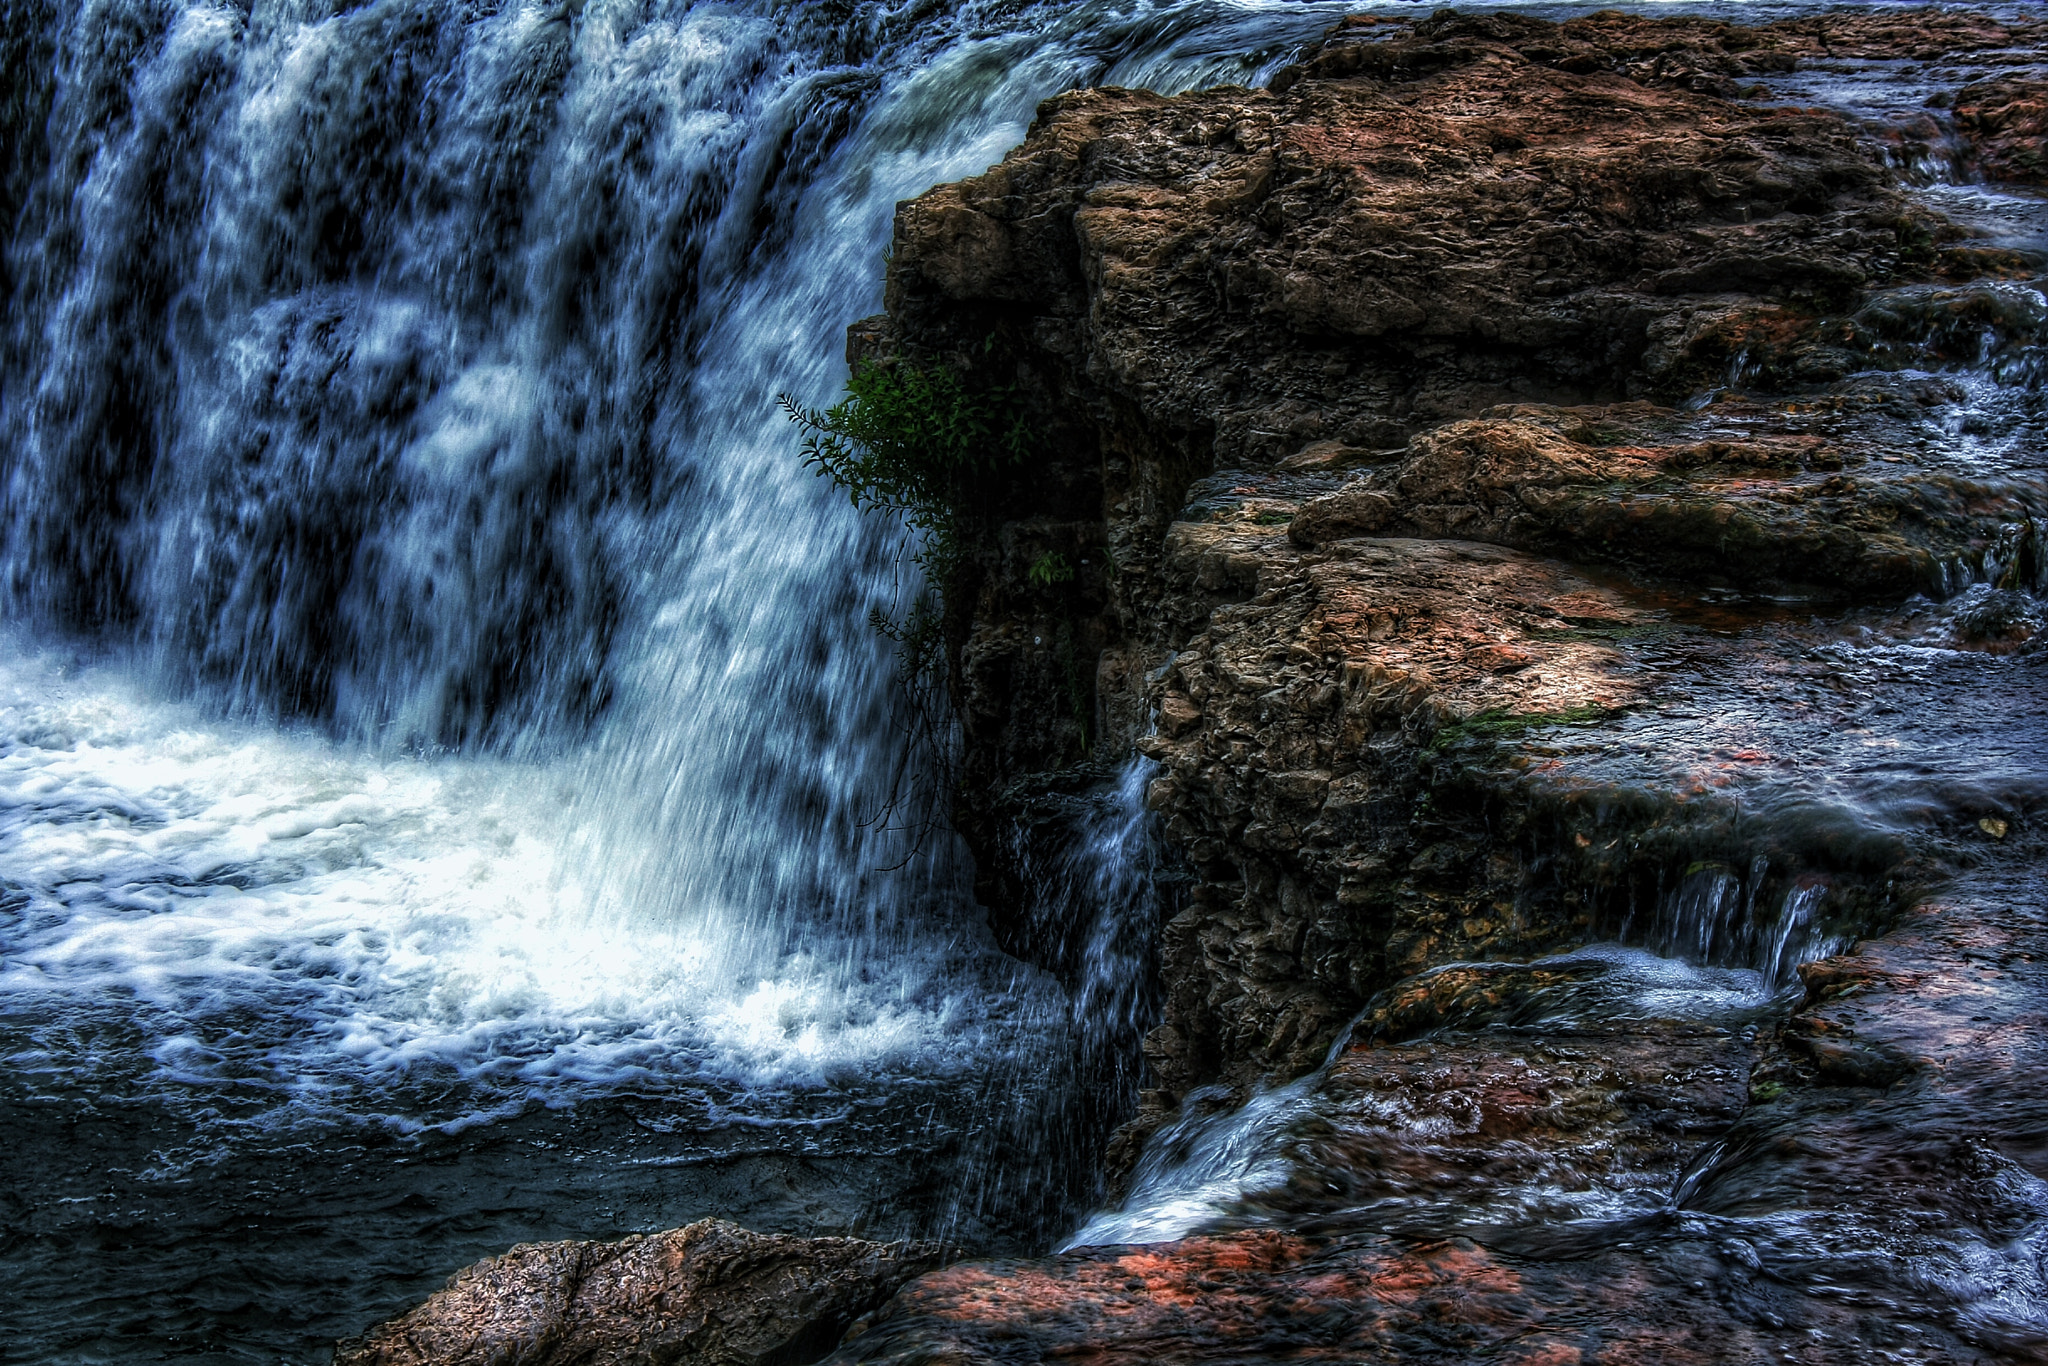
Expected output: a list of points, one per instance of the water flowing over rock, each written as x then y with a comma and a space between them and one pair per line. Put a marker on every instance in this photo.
1499, 728
1563, 500
450, 793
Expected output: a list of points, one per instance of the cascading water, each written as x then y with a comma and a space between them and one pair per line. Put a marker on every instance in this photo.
1117, 878
1707, 958
394, 385
440, 738
1712, 918
1097, 893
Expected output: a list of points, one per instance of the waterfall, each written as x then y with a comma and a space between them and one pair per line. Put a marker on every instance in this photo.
400, 378
410, 369
436, 705
1117, 863
1712, 918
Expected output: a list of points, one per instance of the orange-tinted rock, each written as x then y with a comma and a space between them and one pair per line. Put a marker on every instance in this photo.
1519, 446
1260, 1296
1697, 499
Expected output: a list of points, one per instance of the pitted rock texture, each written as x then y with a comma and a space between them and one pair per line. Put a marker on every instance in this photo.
1550, 495
710, 1294
1389, 245
1481, 259
1442, 283
2005, 121
1294, 750
1267, 1296
1707, 503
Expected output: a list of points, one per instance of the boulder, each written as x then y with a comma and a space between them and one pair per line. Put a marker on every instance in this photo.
709, 1294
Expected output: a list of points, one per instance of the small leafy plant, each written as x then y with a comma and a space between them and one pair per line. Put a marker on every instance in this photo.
1049, 569
906, 439
916, 441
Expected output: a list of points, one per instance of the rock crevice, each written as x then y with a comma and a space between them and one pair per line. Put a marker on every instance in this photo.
1565, 521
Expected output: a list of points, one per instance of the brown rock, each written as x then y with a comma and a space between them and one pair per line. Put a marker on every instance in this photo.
1365, 248
1696, 498
710, 1294
1267, 1296
2006, 123
1475, 258
1451, 408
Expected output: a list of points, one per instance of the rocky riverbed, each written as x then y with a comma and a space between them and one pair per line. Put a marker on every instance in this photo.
1563, 509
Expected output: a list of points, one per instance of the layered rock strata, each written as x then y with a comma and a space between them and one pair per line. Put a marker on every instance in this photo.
1442, 282
1533, 489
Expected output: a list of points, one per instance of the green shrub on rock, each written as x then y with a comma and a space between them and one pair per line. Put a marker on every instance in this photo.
911, 439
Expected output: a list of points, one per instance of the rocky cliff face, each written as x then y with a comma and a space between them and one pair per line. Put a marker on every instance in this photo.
1443, 285
1562, 510
1536, 486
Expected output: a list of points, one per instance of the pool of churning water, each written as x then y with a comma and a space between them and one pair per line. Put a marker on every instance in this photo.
448, 783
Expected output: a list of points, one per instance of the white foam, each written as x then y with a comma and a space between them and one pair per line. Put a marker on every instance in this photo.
1194, 1171
316, 916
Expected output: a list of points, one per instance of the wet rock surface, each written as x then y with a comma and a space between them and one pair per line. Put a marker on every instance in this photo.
1860, 1180
1261, 1296
1485, 261
1571, 527
1405, 752
711, 1293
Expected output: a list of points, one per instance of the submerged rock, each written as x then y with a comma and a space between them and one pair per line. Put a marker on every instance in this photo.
710, 1294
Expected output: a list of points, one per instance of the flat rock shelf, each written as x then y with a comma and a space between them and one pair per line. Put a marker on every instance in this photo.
1565, 513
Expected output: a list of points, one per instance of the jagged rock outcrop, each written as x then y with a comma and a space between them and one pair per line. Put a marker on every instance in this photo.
1442, 282
2005, 121
1547, 493
711, 1294
1415, 224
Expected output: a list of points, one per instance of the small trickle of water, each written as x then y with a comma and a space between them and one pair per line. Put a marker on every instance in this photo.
1097, 903
2018, 558
1203, 1164
1711, 918
1116, 999
1712, 959
1796, 938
